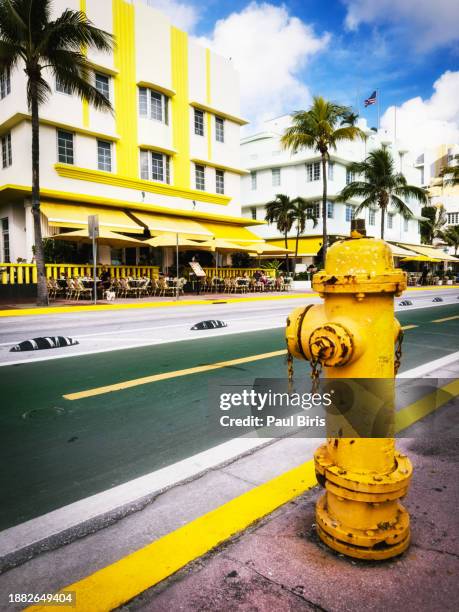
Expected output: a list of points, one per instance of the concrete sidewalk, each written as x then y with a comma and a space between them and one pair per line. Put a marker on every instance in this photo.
281, 565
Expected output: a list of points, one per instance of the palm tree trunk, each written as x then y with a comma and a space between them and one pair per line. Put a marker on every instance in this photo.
42, 289
324, 208
287, 267
296, 248
382, 221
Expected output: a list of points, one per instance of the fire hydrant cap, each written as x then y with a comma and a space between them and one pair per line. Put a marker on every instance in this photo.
360, 265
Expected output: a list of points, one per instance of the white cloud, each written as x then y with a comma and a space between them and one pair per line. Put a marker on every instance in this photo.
424, 23
269, 48
422, 123
182, 15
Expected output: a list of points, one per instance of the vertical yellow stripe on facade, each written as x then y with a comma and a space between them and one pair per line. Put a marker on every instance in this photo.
125, 88
208, 102
84, 102
180, 108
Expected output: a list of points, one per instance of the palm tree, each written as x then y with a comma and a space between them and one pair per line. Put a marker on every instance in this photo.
433, 223
303, 211
451, 237
380, 186
31, 41
451, 173
280, 211
321, 128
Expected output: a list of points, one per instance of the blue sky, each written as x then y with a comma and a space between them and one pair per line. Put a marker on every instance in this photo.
341, 49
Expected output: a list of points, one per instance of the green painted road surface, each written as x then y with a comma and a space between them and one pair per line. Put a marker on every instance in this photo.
54, 451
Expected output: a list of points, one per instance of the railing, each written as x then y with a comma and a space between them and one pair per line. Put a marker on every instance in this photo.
21, 274
236, 272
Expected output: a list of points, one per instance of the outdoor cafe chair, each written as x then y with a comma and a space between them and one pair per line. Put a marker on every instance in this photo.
126, 289
70, 288
165, 288
80, 289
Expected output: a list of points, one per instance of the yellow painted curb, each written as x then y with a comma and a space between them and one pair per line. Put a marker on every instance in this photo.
123, 580
136, 305
112, 586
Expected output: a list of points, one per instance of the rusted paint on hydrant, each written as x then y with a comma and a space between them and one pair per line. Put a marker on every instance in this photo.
352, 335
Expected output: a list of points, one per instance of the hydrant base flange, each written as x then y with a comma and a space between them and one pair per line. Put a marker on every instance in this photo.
373, 539
369, 554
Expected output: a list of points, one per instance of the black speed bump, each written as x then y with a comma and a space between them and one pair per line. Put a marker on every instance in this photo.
437, 299
48, 342
212, 324
405, 303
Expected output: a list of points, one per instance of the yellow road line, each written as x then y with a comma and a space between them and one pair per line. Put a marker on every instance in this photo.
145, 380
119, 582
425, 405
28, 312
404, 327
445, 319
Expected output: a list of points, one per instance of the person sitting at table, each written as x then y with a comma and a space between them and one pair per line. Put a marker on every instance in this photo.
264, 279
280, 282
258, 274
105, 278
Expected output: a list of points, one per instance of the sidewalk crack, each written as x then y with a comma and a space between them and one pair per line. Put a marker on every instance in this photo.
441, 552
313, 604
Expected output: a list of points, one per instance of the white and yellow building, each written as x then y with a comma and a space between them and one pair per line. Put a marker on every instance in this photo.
167, 159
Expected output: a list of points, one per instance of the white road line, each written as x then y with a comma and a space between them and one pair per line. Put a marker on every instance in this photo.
427, 368
96, 351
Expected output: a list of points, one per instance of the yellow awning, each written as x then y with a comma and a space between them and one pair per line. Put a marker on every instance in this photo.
67, 215
232, 233
429, 252
105, 237
397, 251
158, 224
307, 247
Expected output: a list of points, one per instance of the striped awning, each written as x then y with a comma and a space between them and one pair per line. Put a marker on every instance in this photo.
70, 216
429, 251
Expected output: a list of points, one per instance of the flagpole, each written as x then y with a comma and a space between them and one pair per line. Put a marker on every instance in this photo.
378, 93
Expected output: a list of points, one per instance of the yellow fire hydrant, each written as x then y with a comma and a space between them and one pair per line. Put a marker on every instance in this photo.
352, 335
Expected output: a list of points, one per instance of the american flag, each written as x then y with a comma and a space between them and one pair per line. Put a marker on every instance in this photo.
371, 99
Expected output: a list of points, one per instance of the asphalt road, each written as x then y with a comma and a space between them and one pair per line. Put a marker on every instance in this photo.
112, 330
55, 451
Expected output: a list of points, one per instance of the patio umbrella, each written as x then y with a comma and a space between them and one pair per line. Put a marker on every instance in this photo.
421, 258
105, 237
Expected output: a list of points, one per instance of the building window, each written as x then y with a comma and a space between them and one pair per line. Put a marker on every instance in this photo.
275, 174
104, 155
5, 84
405, 224
64, 147
390, 221
154, 166
198, 122
371, 217
61, 87
253, 179
153, 105
200, 177
253, 212
220, 181
453, 218
331, 170
330, 210
102, 84
421, 171
316, 209
219, 129
349, 213
350, 177
313, 171
7, 156
5, 240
